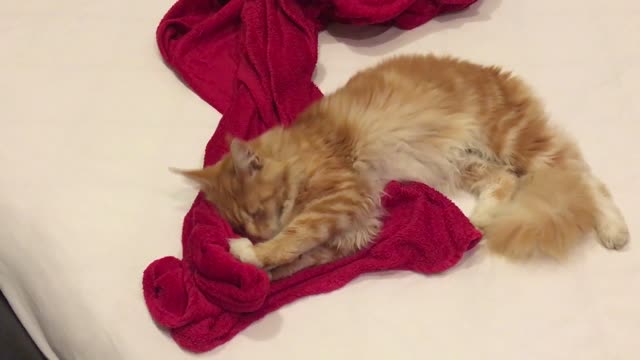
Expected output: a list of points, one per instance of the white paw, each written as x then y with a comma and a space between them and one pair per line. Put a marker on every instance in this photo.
480, 219
614, 235
242, 249
484, 212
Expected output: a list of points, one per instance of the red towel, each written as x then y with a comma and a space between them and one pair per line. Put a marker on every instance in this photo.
253, 61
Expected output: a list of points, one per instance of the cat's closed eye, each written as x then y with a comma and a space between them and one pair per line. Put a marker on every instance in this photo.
258, 214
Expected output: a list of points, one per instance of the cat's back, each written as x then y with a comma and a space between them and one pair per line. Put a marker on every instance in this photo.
404, 93
412, 96
447, 84
409, 106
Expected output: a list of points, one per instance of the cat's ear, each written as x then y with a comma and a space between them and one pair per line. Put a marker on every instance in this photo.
228, 138
204, 178
245, 161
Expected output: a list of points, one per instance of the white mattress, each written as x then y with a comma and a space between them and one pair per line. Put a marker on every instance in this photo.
92, 118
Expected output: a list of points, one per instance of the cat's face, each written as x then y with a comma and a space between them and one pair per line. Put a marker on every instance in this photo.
251, 192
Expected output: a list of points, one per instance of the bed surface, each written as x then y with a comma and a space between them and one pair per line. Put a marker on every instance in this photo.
91, 119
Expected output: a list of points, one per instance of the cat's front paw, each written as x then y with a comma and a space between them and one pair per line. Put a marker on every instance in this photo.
243, 250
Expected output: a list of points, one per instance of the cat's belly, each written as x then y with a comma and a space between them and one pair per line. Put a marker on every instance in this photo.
424, 164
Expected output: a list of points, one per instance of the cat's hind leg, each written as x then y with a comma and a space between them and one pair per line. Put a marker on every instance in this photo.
493, 185
610, 225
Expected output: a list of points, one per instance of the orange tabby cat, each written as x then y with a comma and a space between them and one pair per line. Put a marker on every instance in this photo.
311, 193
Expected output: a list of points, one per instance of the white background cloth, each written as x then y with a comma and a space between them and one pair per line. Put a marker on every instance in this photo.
91, 119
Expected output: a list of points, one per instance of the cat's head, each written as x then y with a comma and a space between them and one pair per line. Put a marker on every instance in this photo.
249, 190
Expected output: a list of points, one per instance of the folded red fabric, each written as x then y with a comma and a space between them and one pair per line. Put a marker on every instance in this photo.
253, 61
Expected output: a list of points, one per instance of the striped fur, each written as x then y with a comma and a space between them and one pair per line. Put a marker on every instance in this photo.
311, 192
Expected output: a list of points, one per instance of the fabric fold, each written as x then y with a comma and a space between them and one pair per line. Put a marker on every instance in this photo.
253, 61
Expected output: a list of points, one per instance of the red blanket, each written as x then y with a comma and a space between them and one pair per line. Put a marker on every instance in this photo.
253, 61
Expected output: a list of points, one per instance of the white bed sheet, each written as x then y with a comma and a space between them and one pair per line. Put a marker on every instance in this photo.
91, 118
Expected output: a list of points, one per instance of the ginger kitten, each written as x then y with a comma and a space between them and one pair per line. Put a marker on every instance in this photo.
310, 193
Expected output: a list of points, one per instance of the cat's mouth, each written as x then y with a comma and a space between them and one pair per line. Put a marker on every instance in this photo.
257, 236
257, 239
264, 237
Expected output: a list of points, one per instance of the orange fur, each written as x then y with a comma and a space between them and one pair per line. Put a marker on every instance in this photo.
311, 192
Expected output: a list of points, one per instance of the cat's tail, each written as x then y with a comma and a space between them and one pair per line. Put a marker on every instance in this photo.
551, 210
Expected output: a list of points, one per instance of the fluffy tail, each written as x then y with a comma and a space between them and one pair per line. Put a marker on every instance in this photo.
550, 212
